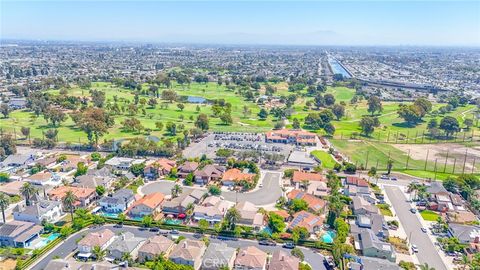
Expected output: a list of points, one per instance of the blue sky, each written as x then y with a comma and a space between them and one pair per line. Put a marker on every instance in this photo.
311, 23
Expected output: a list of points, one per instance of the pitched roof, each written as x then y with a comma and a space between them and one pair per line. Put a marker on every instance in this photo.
156, 245
251, 257
99, 238
126, 242
188, 166
314, 203
219, 253
188, 250
282, 261
299, 176
38, 209
80, 192
237, 175
152, 200
306, 220
356, 181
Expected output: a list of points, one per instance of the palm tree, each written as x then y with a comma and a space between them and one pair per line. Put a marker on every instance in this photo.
426, 267
127, 257
232, 216
305, 184
28, 190
189, 209
121, 218
465, 261
4, 202
176, 190
98, 253
69, 201
389, 166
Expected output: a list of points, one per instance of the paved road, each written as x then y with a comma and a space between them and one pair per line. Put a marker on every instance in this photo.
268, 194
427, 252
63, 250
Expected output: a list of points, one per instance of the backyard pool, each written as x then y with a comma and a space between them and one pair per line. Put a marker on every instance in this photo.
47, 240
328, 237
172, 222
109, 215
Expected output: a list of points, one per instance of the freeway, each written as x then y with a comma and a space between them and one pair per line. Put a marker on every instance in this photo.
70, 245
268, 194
427, 253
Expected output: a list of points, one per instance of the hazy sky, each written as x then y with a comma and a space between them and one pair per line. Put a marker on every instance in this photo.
271, 22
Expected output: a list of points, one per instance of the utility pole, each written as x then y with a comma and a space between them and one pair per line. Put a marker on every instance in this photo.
426, 158
366, 162
454, 165
473, 165
465, 160
408, 158
446, 159
435, 169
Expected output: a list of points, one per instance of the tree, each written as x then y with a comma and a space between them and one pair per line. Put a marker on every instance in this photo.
81, 169
329, 129
180, 106
203, 225
338, 110
296, 123
28, 190
4, 203
319, 101
189, 179
147, 221
450, 125
329, 99
425, 266
55, 115
176, 190
121, 218
368, 124
169, 95
93, 121
25, 131
231, 217
4, 177
450, 184
226, 118
263, 114
374, 104
7, 145
276, 223
297, 205
159, 125
100, 190
299, 233
5, 110
389, 166
202, 122
246, 111
171, 128
214, 190
98, 98
132, 124
69, 202
137, 169
468, 123
99, 253
296, 252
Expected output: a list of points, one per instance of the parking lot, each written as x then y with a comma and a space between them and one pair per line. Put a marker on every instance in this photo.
236, 141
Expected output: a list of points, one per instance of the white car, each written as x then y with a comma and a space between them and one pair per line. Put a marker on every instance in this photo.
415, 248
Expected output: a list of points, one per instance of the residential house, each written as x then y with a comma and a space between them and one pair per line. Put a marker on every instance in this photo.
101, 239
17, 103
187, 168
251, 258
249, 215
212, 209
300, 176
374, 222
126, 243
361, 206
12, 188
71, 163
122, 163
367, 263
218, 255
319, 189
150, 204
42, 210
19, 233
355, 186
234, 176
297, 137
307, 220
157, 168
283, 261
466, 234
72, 264
188, 252
371, 246
461, 217
208, 173
44, 178
17, 160
85, 196
177, 206
154, 247
315, 204
92, 181
118, 202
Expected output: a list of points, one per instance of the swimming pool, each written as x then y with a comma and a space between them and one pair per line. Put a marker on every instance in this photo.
47, 240
172, 222
328, 237
109, 215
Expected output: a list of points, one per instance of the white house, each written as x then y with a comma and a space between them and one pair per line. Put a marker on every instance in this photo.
50, 211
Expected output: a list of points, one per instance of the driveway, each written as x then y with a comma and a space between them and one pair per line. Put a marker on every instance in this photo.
268, 194
63, 250
427, 253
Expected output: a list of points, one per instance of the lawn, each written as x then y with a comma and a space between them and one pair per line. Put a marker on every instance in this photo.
327, 160
385, 209
429, 215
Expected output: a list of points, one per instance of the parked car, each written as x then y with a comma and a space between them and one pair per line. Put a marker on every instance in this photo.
197, 235
413, 210
289, 245
174, 231
154, 229
393, 178
162, 232
384, 177
267, 243
415, 248
424, 230
328, 262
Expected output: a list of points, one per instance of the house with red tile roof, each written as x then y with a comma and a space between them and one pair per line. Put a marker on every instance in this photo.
315, 204
150, 204
85, 196
234, 176
251, 258
157, 168
306, 220
299, 176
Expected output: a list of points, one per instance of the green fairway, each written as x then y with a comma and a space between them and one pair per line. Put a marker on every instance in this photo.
327, 160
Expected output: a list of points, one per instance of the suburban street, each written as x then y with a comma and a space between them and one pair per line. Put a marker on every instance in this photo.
268, 194
67, 247
427, 253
